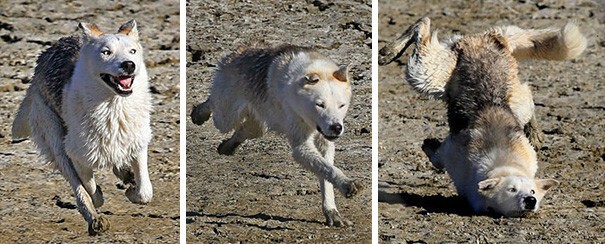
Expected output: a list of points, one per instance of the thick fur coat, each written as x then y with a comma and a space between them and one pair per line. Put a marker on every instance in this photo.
294, 91
88, 108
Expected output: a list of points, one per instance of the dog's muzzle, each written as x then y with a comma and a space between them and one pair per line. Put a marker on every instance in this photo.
529, 203
122, 84
335, 132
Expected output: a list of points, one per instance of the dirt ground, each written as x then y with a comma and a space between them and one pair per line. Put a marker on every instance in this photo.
419, 205
260, 194
37, 205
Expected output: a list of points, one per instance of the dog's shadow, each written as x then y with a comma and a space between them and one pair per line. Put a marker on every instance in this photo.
430, 203
259, 216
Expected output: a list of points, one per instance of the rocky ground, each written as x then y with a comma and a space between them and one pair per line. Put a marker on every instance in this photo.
37, 204
260, 194
419, 205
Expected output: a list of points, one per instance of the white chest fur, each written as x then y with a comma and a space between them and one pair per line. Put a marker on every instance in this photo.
104, 129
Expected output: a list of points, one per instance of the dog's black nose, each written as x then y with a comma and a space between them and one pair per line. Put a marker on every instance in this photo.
336, 128
128, 67
530, 202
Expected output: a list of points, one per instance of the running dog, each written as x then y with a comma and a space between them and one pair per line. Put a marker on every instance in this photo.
88, 107
294, 91
490, 111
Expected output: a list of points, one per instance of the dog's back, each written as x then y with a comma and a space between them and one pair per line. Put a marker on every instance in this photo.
252, 63
243, 77
482, 79
54, 68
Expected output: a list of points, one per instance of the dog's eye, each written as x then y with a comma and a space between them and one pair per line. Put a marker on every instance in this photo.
320, 104
106, 52
512, 189
133, 51
342, 106
312, 79
532, 192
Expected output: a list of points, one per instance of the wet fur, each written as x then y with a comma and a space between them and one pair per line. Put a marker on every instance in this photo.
79, 124
260, 88
489, 109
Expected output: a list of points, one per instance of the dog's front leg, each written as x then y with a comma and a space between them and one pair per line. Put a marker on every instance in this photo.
305, 153
534, 133
142, 191
48, 133
333, 217
86, 175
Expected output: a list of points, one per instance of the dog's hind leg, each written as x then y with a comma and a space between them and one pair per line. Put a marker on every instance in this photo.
201, 113
333, 217
249, 129
48, 134
430, 65
395, 49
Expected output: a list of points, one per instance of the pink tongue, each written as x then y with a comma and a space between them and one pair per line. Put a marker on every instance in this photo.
125, 81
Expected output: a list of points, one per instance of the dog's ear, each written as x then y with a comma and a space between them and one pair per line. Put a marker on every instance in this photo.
90, 30
130, 29
342, 74
547, 184
488, 185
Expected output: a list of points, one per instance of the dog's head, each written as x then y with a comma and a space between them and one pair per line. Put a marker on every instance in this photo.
116, 59
321, 95
514, 196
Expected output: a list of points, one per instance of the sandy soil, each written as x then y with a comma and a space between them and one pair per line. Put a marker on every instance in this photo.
419, 205
260, 194
37, 204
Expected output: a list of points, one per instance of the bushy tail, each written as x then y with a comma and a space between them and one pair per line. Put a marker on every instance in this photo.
201, 113
550, 44
21, 129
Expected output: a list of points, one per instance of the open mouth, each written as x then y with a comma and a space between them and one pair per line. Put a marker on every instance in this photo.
330, 138
122, 84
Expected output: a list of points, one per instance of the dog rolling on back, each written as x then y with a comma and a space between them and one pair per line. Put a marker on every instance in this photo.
294, 91
490, 112
88, 107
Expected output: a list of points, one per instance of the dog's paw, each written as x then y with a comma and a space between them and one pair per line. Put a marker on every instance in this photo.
353, 188
333, 218
430, 147
200, 114
227, 148
125, 174
138, 196
98, 226
97, 198
386, 55
535, 136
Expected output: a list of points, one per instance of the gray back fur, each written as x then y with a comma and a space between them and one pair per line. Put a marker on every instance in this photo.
253, 62
479, 81
54, 69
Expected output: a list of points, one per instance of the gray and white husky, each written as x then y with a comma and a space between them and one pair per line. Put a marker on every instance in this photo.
490, 110
294, 91
88, 107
